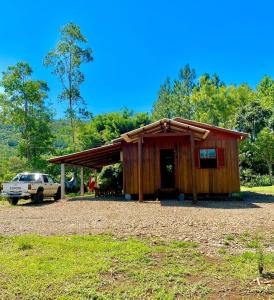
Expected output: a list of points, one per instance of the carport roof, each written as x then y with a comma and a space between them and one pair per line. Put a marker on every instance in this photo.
92, 158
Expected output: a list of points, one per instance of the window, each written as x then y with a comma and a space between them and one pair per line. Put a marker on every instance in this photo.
45, 178
29, 177
50, 180
16, 178
208, 158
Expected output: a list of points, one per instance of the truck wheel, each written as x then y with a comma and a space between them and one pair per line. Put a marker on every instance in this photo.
57, 196
13, 200
39, 196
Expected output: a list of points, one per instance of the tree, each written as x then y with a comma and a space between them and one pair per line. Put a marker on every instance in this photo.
264, 146
213, 102
66, 60
23, 107
265, 91
103, 128
164, 105
183, 88
174, 97
252, 118
11, 166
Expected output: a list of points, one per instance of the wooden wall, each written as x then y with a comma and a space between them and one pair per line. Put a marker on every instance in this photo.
219, 180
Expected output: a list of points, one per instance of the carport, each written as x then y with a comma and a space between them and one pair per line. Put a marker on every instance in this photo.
93, 158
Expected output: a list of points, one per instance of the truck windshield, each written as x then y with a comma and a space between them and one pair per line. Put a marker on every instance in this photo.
29, 177
15, 178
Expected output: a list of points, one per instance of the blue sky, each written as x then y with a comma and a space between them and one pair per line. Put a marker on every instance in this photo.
137, 44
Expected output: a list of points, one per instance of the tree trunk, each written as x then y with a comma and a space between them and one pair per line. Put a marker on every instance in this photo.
270, 172
71, 101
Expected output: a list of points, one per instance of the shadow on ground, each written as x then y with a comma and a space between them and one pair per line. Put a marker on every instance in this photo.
249, 200
44, 203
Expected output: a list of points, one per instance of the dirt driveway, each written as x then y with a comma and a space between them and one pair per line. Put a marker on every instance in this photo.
208, 223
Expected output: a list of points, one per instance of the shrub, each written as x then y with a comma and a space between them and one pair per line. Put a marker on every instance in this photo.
111, 178
248, 178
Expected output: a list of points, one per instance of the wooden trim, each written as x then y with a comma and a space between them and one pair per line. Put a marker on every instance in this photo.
82, 181
62, 181
140, 170
159, 135
242, 135
171, 124
193, 170
95, 158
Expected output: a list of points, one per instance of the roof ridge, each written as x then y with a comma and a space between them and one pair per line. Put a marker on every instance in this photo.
231, 131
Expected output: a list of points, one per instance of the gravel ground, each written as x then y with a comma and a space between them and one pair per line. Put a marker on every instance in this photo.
207, 223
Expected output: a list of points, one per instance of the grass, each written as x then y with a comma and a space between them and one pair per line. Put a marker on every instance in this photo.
103, 267
259, 189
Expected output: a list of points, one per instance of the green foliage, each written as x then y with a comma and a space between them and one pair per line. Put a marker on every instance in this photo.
66, 60
260, 258
266, 93
252, 118
213, 102
11, 166
174, 98
111, 177
251, 179
23, 108
103, 128
207, 100
230, 237
264, 146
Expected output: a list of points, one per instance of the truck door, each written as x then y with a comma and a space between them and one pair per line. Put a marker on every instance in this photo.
47, 188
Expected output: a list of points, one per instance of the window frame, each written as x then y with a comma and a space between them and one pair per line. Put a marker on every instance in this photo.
219, 153
45, 177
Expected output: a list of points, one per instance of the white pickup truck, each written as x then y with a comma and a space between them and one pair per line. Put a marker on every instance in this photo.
34, 186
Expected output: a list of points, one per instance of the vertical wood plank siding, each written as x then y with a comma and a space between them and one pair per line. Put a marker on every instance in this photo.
219, 180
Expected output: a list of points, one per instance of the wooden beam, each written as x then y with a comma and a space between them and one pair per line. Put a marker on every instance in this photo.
95, 158
82, 181
140, 170
159, 135
62, 181
193, 169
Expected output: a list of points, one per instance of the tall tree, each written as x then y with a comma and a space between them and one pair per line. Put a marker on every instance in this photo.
22, 106
66, 60
174, 96
164, 105
183, 87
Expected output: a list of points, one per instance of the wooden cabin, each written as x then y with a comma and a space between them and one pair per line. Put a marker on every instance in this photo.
167, 157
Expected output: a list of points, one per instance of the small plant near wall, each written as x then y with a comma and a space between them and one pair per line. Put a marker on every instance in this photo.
260, 258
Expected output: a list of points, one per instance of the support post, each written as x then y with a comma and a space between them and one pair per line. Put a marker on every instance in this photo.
82, 181
193, 170
140, 171
62, 181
